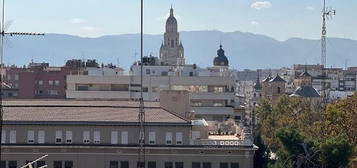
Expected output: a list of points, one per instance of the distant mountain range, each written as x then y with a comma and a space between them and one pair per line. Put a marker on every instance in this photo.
244, 50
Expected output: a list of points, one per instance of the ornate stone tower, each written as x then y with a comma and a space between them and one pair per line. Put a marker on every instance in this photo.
172, 51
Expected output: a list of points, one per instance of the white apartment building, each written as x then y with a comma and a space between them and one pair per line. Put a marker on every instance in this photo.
212, 97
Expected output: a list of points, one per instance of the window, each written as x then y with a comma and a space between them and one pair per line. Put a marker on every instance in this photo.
124, 137
96, 137
140, 164
113, 164
152, 138
68, 137
168, 138
179, 138
196, 165
68, 164
164, 73
3, 136
86, 135
58, 137
40, 82
234, 165
169, 165
12, 164
124, 164
151, 164
206, 165
279, 90
178, 164
223, 165
52, 92
57, 164
41, 137
3, 164
50, 82
12, 136
30, 137
57, 82
147, 71
41, 163
172, 44
114, 137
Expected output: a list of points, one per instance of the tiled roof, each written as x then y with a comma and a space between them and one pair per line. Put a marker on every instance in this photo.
306, 91
277, 78
85, 111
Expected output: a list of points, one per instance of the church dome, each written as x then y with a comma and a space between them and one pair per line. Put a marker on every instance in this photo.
221, 59
171, 22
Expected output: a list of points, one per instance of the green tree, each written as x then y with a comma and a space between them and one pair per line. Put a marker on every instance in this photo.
261, 156
335, 152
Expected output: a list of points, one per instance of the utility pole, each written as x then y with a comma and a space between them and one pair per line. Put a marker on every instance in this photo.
3, 33
141, 159
326, 14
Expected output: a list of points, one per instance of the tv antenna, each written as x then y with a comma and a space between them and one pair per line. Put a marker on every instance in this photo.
4, 33
326, 14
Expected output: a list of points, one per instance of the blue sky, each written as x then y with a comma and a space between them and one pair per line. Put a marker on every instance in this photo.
280, 19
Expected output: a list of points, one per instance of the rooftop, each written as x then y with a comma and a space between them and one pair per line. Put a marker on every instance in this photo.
99, 112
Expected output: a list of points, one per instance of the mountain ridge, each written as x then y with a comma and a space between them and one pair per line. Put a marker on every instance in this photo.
244, 50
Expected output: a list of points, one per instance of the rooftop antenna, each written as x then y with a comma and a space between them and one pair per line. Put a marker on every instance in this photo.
326, 14
141, 117
4, 33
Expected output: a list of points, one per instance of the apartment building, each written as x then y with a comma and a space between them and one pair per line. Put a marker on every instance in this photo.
38, 80
212, 97
91, 134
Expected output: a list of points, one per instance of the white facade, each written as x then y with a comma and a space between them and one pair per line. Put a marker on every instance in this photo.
211, 96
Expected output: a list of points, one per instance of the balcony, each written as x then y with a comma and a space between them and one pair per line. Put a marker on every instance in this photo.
213, 96
213, 110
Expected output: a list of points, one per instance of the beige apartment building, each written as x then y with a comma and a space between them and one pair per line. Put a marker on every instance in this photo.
104, 134
211, 97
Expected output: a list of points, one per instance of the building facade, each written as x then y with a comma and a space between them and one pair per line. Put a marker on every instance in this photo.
91, 134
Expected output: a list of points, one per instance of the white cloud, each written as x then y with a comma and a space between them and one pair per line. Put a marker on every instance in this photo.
261, 5
91, 29
310, 8
78, 20
255, 23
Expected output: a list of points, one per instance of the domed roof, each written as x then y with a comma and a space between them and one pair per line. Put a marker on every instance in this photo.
171, 19
221, 59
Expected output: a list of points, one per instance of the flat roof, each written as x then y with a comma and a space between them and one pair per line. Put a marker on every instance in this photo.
96, 112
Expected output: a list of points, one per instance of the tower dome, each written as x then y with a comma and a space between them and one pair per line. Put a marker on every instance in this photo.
171, 22
221, 59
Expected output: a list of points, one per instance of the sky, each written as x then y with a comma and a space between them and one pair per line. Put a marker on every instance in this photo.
280, 19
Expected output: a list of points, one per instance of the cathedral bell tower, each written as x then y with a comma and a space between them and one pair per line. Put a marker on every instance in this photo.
172, 51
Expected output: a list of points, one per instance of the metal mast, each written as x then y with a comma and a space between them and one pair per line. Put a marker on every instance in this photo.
326, 14
141, 162
3, 33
